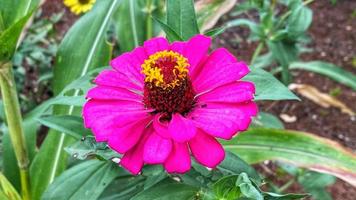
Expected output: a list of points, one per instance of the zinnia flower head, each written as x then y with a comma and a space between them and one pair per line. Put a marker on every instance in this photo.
79, 6
163, 102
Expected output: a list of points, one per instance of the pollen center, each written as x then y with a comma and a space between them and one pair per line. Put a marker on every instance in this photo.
168, 88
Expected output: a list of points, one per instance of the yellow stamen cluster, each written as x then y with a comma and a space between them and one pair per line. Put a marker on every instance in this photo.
79, 6
153, 73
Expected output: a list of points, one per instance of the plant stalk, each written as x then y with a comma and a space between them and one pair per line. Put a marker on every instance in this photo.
149, 29
257, 52
14, 123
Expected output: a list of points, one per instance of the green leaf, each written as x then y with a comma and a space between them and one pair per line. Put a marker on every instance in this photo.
225, 188
299, 20
297, 148
170, 33
215, 32
285, 53
7, 189
88, 147
72, 125
181, 18
168, 191
72, 62
247, 188
268, 87
267, 120
233, 165
274, 196
13, 10
123, 188
130, 24
327, 69
9, 37
84, 181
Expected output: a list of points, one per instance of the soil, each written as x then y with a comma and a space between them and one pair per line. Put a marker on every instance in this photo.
333, 34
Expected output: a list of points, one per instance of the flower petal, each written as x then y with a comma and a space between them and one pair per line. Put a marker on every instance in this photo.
178, 160
206, 149
112, 93
124, 138
223, 120
161, 128
194, 50
133, 159
117, 79
129, 63
156, 44
220, 68
235, 92
156, 149
181, 129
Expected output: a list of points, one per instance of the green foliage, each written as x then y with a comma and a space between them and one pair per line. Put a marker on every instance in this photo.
84, 181
268, 87
181, 18
300, 149
72, 62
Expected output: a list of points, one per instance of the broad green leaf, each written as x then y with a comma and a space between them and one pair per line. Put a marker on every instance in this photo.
170, 33
72, 125
7, 189
268, 87
13, 10
297, 148
84, 181
168, 191
327, 69
234, 165
9, 37
299, 21
181, 18
285, 53
256, 30
130, 23
72, 62
316, 183
247, 188
123, 188
274, 196
225, 188
267, 120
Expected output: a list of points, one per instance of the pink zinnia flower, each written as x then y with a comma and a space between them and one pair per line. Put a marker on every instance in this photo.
163, 102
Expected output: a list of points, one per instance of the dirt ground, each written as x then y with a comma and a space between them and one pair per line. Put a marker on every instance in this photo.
333, 34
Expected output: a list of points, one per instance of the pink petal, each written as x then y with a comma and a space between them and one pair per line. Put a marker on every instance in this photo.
117, 79
112, 93
161, 128
130, 64
235, 92
122, 139
178, 160
133, 159
220, 68
95, 109
206, 149
194, 50
156, 149
223, 120
181, 129
156, 44
105, 126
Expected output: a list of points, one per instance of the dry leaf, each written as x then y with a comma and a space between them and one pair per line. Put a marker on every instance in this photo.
322, 99
287, 118
210, 11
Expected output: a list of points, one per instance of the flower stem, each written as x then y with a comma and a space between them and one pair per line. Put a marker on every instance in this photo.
149, 30
257, 52
14, 122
